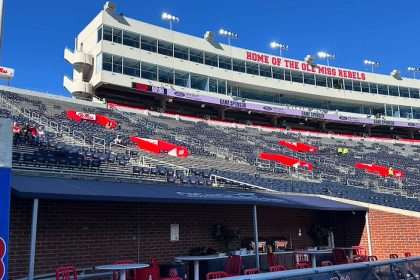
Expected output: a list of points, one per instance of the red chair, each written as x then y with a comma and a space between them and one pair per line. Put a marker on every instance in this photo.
252, 271
302, 266
393, 256
340, 256
128, 277
156, 272
407, 254
272, 260
360, 254
300, 258
372, 258
277, 268
67, 273
216, 275
233, 267
326, 263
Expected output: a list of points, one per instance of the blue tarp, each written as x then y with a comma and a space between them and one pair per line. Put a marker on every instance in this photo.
73, 189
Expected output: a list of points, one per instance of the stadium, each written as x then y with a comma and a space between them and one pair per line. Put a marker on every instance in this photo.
170, 137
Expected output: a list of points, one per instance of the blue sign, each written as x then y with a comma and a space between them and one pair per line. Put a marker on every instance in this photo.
5, 185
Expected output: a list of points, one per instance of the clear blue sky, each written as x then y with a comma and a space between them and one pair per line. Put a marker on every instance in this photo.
36, 32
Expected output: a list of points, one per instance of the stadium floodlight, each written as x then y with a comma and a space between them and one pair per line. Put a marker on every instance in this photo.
372, 64
228, 34
281, 47
209, 36
323, 55
309, 59
395, 73
414, 71
170, 18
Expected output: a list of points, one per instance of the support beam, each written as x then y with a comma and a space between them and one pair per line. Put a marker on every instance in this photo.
274, 120
162, 103
410, 134
222, 113
368, 130
257, 254
368, 233
33, 240
323, 126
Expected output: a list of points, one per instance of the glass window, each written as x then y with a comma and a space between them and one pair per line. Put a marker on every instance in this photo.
416, 113
309, 79
404, 92
107, 62
239, 65
337, 83
383, 89
166, 75
131, 39
221, 86
213, 85
287, 75
278, 73
117, 35
265, 71
225, 62
348, 84
198, 82
388, 109
196, 56
297, 76
321, 80
414, 93
148, 44
180, 52
149, 71
365, 87
165, 48
100, 34
211, 59
393, 91
356, 86
117, 64
131, 67
373, 88
181, 78
99, 63
233, 89
252, 68
405, 112
107, 33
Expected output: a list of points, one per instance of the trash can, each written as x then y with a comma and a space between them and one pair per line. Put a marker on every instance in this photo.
172, 270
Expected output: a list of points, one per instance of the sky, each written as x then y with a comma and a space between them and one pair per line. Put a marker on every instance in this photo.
35, 33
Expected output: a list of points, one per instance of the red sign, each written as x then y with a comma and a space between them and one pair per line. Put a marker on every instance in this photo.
2, 254
302, 66
86, 116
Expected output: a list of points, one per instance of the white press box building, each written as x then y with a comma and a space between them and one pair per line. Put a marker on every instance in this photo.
132, 63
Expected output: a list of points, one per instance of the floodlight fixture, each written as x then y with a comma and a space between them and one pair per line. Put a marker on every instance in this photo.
228, 34
395, 73
209, 36
170, 18
281, 47
323, 55
372, 64
110, 7
414, 71
309, 59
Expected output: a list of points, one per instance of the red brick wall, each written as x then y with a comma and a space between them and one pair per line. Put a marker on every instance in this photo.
87, 234
392, 234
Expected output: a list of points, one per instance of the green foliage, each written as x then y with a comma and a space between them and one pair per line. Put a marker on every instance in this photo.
225, 234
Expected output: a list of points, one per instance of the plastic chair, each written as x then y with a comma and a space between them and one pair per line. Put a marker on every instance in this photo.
372, 258
407, 254
233, 267
326, 263
156, 272
360, 254
393, 256
302, 266
252, 271
277, 268
272, 259
216, 275
340, 256
300, 258
128, 277
67, 273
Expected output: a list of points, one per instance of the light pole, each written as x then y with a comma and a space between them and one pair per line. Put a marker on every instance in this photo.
281, 47
414, 71
372, 64
170, 18
323, 55
229, 35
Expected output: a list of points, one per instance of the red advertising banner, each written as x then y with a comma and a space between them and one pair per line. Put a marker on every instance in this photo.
383, 171
286, 160
146, 145
298, 147
86, 116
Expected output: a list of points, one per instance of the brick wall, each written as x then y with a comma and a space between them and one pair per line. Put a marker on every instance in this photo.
87, 234
392, 233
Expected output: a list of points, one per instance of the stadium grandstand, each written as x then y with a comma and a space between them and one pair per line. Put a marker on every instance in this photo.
168, 134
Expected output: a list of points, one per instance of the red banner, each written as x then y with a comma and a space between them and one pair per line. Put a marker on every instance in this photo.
286, 160
99, 119
86, 116
298, 147
146, 145
383, 171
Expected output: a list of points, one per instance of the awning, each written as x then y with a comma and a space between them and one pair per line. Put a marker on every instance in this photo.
73, 189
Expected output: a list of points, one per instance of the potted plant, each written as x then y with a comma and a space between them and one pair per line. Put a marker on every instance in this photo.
225, 234
319, 234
